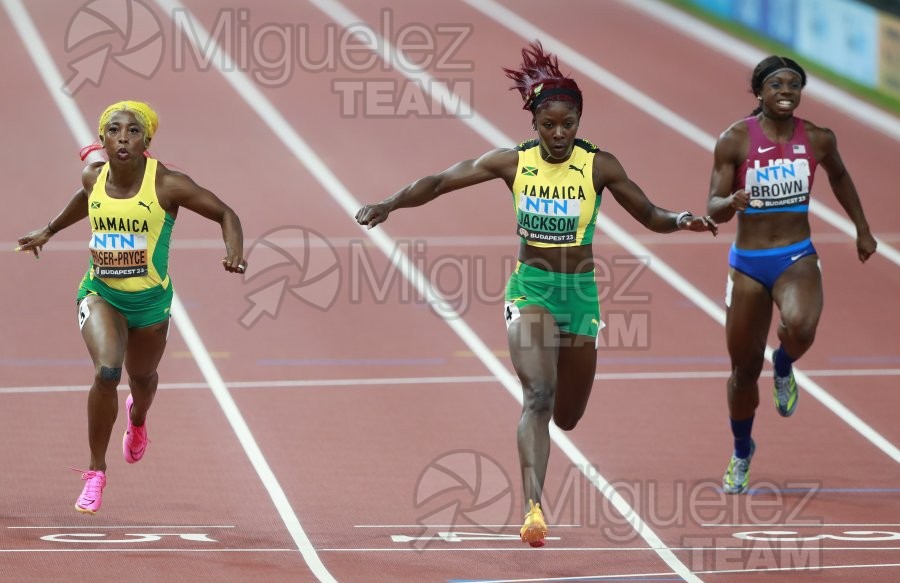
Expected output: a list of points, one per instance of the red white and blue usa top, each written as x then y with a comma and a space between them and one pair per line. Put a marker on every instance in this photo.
778, 177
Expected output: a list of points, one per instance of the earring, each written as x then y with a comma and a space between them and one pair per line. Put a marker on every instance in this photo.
758, 98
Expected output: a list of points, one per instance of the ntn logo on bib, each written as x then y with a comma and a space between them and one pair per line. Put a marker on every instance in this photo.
112, 241
549, 207
548, 220
782, 183
119, 254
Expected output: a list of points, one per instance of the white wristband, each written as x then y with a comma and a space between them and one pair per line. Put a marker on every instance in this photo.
679, 220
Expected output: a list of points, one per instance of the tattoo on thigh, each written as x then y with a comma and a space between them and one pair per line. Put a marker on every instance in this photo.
110, 374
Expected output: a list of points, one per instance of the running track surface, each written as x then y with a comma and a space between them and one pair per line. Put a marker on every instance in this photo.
361, 433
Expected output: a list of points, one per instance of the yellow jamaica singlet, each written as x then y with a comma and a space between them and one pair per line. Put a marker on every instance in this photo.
129, 236
556, 204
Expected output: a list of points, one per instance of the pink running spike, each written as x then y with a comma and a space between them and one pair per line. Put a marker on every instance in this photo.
92, 496
134, 442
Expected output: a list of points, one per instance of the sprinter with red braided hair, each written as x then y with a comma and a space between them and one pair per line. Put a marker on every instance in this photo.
552, 309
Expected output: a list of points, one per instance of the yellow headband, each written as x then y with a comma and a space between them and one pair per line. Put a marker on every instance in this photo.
145, 115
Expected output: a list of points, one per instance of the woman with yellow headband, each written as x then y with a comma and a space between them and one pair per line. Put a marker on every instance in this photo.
763, 170
123, 300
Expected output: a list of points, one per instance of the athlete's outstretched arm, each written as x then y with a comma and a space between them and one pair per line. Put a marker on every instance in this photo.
609, 173
179, 190
75, 210
499, 163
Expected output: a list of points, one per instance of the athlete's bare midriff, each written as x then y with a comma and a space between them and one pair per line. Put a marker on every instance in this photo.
771, 230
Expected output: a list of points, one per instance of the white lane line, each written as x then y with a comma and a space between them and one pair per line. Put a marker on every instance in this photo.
518, 548
810, 568
148, 550
474, 379
797, 524
501, 241
526, 30
487, 549
645, 103
106, 527
33, 42
644, 576
315, 165
480, 526
748, 55
439, 92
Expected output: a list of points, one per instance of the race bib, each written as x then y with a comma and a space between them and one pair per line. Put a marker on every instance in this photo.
117, 255
548, 220
782, 184
511, 312
84, 312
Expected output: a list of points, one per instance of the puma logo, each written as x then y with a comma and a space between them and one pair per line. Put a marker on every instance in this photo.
145, 205
577, 169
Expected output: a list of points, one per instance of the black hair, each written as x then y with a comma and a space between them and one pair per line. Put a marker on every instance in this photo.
766, 68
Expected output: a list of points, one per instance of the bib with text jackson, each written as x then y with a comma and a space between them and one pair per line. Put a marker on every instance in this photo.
129, 236
556, 204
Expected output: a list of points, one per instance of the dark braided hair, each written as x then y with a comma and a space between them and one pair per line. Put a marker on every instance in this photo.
539, 80
766, 68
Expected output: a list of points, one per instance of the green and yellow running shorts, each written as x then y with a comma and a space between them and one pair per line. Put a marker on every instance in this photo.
141, 309
571, 298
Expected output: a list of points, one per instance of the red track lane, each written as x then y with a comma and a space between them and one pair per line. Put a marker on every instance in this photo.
351, 457
708, 90
875, 456
838, 259
34, 203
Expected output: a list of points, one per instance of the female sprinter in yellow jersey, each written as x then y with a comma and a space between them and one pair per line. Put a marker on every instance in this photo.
556, 181
123, 300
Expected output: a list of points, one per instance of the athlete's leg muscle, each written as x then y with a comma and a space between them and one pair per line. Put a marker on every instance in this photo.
577, 364
798, 294
145, 350
105, 332
746, 328
533, 346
